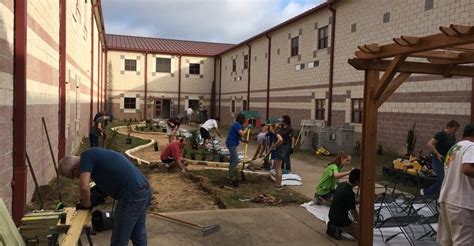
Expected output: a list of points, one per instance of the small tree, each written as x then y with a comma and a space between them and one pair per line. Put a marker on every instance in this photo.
150, 101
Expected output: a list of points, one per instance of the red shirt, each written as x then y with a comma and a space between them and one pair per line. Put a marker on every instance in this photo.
172, 150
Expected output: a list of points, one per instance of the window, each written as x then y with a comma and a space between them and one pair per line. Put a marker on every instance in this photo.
323, 37
428, 4
232, 106
130, 65
319, 113
386, 17
246, 61
163, 65
295, 43
234, 65
194, 68
356, 112
354, 27
129, 103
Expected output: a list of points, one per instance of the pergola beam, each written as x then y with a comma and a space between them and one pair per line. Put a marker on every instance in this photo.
393, 86
433, 42
414, 67
387, 77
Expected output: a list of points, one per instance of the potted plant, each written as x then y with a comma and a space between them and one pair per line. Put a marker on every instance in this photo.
194, 139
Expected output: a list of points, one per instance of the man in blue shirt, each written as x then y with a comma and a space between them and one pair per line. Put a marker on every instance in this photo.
117, 177
234, 136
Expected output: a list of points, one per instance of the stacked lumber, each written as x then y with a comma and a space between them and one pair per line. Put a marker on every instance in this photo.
35, 226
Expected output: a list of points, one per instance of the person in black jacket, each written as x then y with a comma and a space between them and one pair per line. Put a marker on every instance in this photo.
343, 202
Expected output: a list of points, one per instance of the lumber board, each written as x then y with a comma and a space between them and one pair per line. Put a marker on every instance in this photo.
80, 219
9, 234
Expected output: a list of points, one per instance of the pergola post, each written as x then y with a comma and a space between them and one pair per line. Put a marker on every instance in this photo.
369, 142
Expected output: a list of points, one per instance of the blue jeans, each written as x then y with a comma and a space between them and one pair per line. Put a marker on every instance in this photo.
234, 161
130, 219
94, 140
438, 167
286, 163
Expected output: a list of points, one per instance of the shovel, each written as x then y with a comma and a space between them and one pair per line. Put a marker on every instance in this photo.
205, 230
242, 174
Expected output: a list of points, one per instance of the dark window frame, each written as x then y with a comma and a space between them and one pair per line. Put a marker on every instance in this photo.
323, 37
357, 107
386, 17
295, 46
195, 68
246, 61
161, 67
320, 109
244, 105
232, 106
234, 65
129, 103
429, 4
130, 67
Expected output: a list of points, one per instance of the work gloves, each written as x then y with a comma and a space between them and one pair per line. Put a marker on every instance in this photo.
80, 206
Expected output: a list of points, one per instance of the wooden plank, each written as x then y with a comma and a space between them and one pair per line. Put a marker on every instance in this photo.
432, 42
437, 54
369, 147
387, 77
414, 67
80, 219
464, 58
9, 234
402, 77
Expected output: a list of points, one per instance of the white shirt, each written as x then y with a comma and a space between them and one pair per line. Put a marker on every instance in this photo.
209, 124
458, 189
189, 111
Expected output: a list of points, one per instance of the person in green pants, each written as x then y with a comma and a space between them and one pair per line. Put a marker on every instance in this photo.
329, 180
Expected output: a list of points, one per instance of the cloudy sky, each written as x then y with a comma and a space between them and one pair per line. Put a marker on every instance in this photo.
228, 21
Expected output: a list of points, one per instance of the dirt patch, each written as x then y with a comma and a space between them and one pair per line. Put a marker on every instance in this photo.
174, 192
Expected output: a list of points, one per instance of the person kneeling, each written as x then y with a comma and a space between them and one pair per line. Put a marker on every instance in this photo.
344, 200
173, 153
329, 180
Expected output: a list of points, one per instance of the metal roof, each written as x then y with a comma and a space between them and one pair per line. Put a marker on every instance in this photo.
167, 46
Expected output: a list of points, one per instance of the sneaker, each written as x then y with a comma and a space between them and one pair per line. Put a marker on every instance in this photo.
317, 200
422, 192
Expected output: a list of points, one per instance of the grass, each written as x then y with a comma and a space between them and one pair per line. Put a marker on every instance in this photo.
69, 189
252, 187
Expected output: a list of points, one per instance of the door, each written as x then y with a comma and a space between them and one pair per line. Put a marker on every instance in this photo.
158, 108
166, 109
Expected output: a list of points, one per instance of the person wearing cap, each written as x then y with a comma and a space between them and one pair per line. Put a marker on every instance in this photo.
117, 177
173, 154
456, 199
234, 136
206, 128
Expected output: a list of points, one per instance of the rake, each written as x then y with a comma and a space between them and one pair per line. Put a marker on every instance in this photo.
205, 230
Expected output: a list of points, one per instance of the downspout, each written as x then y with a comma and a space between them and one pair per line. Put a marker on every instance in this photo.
105, 81
92, 66
248, 76
331, 62
268, 74
62, 79
472, 101
146, 86
179, 84
213, 92
220, 84
98, 74
19, 112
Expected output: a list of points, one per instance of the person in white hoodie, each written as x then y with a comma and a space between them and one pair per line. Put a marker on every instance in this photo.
456, 219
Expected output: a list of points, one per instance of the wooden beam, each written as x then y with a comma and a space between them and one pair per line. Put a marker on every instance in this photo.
393, 86
432, 42
414, 67
81, 218
437, 54
469, 48
369, 147
387, 77
463, 58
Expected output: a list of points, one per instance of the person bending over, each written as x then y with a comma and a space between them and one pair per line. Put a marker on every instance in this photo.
172, 128
206, 128
328, 182
173, 154
262, 142
117, 177
344, 201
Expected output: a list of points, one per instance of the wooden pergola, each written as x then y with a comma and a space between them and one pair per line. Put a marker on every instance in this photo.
448, 53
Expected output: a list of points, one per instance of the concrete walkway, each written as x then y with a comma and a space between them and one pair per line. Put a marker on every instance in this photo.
289, 225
